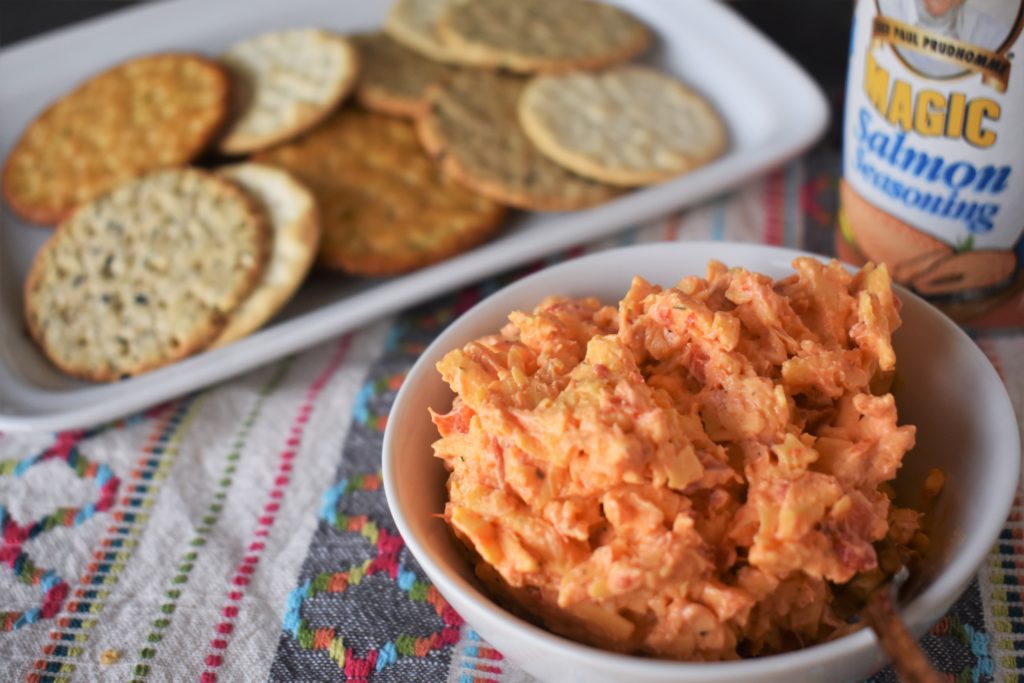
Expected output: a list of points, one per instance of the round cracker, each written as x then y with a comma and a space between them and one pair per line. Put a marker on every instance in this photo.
541, 35
144, 275
384, 206
413, 23
288, 82
392, 78
470, 124
295, 229
148, 113
629, 125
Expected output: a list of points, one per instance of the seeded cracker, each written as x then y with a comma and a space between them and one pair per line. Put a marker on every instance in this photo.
152, 112
470, 124
288, 81
541, 35
385, 207
144, 275
392, 78
413, 23
295, 228
628, 125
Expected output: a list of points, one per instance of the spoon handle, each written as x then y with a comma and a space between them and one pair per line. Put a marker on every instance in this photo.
902, 649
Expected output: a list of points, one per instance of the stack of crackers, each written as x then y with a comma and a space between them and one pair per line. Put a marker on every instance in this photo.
167, 242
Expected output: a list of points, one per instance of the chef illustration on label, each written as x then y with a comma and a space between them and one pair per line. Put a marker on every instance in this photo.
982, 24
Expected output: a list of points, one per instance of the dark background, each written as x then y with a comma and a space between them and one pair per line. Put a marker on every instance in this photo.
815, 32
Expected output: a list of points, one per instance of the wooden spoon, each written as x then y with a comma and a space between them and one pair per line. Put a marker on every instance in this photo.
903, 651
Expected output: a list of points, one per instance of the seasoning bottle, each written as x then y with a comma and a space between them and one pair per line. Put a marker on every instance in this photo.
933, 151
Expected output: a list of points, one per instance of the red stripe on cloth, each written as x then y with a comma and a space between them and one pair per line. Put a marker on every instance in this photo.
163, 429
672, 224
488, 653
774, 200
220, 641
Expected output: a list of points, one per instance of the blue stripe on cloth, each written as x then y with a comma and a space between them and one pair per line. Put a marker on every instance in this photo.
329, 502
292, 617
387, 656
718, 220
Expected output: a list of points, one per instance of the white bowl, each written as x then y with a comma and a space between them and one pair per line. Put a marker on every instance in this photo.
945, 385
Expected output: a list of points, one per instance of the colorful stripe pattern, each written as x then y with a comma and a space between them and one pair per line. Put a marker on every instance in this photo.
53, 589
478, 663
159, 624
1004, 573
80, 614
384, 562
330, 629
232, 607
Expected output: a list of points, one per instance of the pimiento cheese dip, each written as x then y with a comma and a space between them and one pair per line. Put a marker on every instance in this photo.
700, 473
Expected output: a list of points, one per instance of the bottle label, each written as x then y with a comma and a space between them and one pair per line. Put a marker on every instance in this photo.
933, 149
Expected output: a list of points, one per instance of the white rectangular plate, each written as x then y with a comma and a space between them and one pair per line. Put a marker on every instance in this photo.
772, 109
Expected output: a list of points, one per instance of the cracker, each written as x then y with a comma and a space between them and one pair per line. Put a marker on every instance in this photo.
628, 125
413, 23
295, 228
148, 113
288, 82
470, 124
541, 35
144, 275
392, 78
385, 207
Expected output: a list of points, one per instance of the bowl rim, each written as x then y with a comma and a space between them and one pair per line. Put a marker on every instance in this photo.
936, 598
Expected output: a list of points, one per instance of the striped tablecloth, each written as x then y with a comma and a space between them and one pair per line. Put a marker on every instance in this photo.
241, 533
